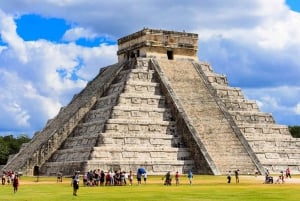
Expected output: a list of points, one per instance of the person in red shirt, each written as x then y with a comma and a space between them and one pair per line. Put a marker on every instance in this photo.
288, 173
177, 178
16, 183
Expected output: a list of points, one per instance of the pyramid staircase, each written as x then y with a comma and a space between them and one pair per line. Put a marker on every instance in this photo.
129, 126
210, 128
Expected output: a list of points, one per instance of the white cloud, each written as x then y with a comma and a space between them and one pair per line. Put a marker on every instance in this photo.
276, 27
77, 33
32, 89
20, 115
297, 109
9, 35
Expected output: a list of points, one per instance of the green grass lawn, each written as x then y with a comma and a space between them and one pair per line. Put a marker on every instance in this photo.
204, 188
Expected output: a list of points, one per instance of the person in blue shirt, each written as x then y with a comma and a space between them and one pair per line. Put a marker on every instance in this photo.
190, 176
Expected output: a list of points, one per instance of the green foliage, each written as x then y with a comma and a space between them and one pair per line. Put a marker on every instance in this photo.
295, 131
10, 145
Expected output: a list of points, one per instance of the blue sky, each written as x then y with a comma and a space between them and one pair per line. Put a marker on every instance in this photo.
49, 51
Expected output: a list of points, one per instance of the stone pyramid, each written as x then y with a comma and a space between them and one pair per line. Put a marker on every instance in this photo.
161, 109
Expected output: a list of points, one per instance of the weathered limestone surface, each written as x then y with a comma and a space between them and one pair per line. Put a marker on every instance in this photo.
274, 146
141, 131
161, 109
215, 132
47, 141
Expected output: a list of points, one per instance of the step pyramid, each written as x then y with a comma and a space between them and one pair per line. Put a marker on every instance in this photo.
161, 109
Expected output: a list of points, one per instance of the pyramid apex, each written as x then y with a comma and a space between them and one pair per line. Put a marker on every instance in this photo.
158, 43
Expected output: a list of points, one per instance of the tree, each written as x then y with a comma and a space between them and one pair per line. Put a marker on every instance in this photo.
295, 131
11, 145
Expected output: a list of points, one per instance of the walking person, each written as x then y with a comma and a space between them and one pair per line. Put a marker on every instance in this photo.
3, 179
236, 174
177, 178
16, 183
288, 173
130, 177
75, 183
190, 176
229, 177
145, 177
139, 178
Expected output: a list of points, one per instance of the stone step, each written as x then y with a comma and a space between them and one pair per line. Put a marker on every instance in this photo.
217, 79
98, 114
146, 142
140, 135
88, 129
139, 122
267, 137
138, 125
107, 101
145, 112
140, 74
240, 105
71, 154
263, 128
146, 161
252, 117
151, 155
275, 146
206, 67
92, 125
67, 167
85, 141
139, 148
75, 149
229, 92
116, 87
140, 99
142, 87
280, 161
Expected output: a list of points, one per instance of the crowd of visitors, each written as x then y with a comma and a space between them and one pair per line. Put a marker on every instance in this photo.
110, 178
11, 177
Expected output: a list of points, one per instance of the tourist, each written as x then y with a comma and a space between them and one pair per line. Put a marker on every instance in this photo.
126, 177
236, 174
288, 173
75, 183
16, 183
229, 177
145, 177
282, 176
59, 177
190, 176
168, 180
268, 178
3, 179
112, 178
139, 177
107, 179
177, 178
130, 177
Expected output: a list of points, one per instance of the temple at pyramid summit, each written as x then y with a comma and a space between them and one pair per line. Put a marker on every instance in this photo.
162, 109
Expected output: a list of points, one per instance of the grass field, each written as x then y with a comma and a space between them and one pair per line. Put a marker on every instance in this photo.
204, 188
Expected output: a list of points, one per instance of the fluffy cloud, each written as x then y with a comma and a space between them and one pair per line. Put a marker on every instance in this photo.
38, 77
78, 32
